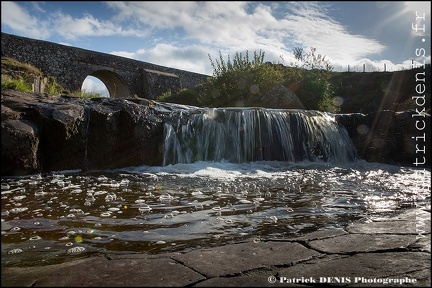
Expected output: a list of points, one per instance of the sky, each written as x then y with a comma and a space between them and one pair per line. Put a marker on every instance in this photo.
376, 35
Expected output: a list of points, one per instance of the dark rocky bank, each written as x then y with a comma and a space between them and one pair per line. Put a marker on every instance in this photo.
43, 133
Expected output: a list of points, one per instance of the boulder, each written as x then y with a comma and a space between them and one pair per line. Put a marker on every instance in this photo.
400, 138
43, 133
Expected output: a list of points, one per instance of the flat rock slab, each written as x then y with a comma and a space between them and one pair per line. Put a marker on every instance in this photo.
375, 258
238, 258
362, 243
321, 234
423, 243
101, 272
244, 281
401, 227
414, 266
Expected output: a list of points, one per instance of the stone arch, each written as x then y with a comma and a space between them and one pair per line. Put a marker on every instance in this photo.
117, 87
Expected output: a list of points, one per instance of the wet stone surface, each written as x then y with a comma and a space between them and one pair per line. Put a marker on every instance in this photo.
336, 257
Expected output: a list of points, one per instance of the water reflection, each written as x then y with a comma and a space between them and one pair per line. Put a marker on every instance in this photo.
48, 218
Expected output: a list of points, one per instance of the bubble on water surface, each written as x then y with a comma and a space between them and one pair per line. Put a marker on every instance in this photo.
110, 197
217, 208
17, 210
113, 209
75, 250
102, 178
100, 192
5, 186
15, 251
145, 208
18, 198
165, 197
35, 238
169, 216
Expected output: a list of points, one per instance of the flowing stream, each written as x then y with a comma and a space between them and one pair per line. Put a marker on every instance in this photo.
229, 175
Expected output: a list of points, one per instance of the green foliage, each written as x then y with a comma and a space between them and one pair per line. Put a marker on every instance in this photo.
21, 76
54, 88
184, 96
18, 84
239, 82
309, 78
85, 94
16, 75
14, 65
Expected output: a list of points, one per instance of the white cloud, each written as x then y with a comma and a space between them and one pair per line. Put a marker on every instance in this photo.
72, 28
236, 26
20, 20
191, 58
418, 6
310, 26
208, 27
94, 85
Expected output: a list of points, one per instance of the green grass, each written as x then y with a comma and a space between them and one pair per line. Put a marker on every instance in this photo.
20, 76
17, 85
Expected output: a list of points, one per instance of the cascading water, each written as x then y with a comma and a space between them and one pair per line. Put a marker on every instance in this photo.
253, 134
228, 175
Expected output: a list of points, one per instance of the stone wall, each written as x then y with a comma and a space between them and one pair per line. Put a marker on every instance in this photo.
70, 66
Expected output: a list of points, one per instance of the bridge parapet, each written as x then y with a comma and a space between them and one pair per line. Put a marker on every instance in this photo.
123, 77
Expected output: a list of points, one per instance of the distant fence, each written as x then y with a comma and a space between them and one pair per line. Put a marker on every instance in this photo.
372, 68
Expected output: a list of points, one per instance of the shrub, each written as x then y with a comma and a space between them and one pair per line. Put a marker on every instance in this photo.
184, 96
309, 78
240, 82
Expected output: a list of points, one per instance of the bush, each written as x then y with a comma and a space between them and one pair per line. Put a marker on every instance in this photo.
184, 96
240, 82
309, 78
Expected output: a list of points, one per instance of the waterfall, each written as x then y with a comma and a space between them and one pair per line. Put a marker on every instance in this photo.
254, 134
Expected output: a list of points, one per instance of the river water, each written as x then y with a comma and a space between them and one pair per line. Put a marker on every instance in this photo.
59, 216
228, 175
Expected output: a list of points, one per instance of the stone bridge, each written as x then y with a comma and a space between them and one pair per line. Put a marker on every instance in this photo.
122, 76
